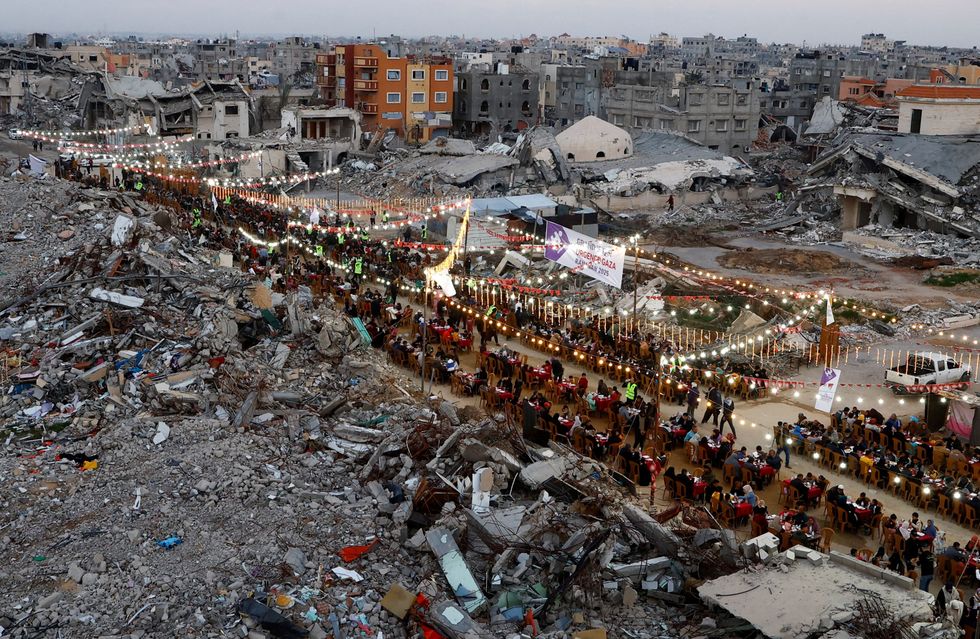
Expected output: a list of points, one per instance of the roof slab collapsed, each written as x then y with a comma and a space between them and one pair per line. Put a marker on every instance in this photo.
936, 179
804, 593
664, 161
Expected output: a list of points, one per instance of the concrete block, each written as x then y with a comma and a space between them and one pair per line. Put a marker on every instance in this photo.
872, 571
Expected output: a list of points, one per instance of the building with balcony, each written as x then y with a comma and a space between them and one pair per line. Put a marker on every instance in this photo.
412, 96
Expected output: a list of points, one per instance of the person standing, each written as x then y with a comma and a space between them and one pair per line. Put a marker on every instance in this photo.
713, 409
630, 391
727, 412
927, 570
692, 399
782, 446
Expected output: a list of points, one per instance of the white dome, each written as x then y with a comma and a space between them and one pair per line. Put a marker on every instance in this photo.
593, 140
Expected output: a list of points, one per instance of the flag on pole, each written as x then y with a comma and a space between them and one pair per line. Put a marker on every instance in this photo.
830, 313
214, 202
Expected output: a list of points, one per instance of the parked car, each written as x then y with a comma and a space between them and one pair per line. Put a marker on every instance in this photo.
925, 369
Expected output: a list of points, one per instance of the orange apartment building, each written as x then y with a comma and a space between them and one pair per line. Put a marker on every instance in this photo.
867, 92
411, 96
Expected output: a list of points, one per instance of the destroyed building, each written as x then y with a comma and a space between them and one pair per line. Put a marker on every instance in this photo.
904, 181
663, 164
721, 117
503, 99
38, 86
210, 110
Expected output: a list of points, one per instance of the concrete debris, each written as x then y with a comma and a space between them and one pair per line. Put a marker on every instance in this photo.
769, 599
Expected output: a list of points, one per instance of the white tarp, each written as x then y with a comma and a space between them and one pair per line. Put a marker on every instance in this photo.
597, 259
37, 164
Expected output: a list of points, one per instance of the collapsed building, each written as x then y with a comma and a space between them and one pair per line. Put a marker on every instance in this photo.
37, 88
209, 110
664, 164
904, 181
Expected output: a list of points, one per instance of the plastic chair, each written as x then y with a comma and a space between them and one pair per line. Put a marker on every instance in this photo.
826, 538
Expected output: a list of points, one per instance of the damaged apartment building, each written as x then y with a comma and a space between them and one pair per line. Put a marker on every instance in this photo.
495, 98
926, 176
32, 81
723, 117
209, 110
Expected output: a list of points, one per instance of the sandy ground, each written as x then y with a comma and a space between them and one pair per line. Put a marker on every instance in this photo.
874, 281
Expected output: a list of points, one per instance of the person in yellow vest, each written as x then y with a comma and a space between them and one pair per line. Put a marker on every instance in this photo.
340, 237
319, 250
358, 266
384, 217
425, 232
630, 391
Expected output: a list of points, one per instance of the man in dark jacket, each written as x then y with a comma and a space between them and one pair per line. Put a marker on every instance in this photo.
713, 409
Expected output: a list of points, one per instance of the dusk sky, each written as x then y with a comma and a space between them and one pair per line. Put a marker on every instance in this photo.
938, 22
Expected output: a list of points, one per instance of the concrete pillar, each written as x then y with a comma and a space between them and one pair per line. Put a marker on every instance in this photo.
850, 212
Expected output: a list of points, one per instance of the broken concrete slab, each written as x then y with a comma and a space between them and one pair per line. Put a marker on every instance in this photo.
455, 623
464, 586
662, 537
639, 568
122, 230
128, 301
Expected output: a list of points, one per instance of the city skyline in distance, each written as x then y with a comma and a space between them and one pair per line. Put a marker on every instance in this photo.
829, 22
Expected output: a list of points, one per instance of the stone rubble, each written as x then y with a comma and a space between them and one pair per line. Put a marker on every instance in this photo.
187, 453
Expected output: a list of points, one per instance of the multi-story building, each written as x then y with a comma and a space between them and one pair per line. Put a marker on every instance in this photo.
966, 71
664, 42
547, 89
409, 95
218, 60
876, 42
725, 118
293, 60
819, 72
88, 57
702, 47
790, 106
580, 88
500, 100
870, 92
586, 42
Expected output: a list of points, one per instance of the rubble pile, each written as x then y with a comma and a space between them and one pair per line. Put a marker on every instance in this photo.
719, 213
187, 453
950, 249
